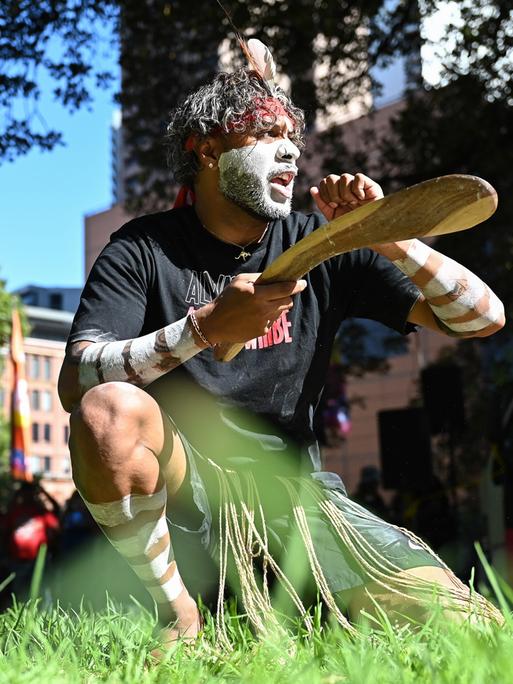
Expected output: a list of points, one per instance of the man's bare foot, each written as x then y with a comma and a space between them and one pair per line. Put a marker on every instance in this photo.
184, 628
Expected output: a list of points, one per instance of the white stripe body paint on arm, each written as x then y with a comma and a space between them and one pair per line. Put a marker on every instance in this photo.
462, 302
416, 256
457, 297
450, 279
471, 326
140, 360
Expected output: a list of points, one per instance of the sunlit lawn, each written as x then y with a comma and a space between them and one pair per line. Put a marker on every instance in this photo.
47, 643
55, 645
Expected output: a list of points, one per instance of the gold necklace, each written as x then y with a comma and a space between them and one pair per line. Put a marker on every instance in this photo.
243, 253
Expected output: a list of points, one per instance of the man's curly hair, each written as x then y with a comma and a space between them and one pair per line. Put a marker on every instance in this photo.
220, 105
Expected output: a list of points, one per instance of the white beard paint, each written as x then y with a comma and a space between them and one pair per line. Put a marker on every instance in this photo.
245, 175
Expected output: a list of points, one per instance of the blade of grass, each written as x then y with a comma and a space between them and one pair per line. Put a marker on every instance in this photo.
505, 588
7, 581
493, 582
37, 575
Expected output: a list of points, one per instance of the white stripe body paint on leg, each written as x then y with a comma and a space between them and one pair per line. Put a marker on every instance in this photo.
140, 360
148, 548
118, 512
466, 295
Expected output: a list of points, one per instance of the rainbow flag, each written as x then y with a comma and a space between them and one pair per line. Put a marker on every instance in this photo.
20, 406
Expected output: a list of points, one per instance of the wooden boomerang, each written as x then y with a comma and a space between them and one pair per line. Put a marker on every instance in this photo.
435, 207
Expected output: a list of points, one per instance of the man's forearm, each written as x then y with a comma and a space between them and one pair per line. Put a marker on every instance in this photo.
462, 303
139, 361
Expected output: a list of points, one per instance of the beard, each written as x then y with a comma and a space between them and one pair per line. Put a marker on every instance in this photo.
245, 175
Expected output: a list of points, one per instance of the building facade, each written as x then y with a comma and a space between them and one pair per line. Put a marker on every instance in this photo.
44, 352
56, 298
374, 392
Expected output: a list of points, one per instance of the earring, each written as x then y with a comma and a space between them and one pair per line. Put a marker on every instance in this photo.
210, 165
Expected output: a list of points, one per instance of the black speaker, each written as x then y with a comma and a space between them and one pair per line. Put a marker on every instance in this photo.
442, 392
405, 448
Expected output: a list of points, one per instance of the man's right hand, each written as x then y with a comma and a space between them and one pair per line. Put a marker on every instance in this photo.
245, 310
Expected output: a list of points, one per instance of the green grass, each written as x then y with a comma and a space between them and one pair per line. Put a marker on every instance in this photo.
51, 644
45, 642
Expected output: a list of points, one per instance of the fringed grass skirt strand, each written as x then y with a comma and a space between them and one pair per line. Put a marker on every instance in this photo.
341, 546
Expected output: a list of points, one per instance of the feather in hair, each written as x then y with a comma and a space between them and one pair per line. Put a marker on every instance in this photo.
261, 55
252, 62
258, 56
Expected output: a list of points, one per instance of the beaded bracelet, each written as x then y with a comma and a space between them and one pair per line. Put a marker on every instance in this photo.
197, 329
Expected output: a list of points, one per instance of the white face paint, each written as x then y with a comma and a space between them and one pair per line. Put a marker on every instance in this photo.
260, 177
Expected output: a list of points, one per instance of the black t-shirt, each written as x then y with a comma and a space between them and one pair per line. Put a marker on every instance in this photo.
157, 267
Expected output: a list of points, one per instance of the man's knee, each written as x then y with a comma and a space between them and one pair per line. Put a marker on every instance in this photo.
108, 407
106, 422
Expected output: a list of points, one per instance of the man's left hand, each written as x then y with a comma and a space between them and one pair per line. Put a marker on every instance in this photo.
338, 195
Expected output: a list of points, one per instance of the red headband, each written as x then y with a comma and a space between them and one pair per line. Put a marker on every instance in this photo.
266, 109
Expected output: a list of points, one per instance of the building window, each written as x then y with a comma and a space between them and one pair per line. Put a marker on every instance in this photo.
66, 467
36, 465
47, 464
34, 366
29, 298
47, 432
47, 368
46, 400
56, 300
35, 432
2, 397
66, 434
36, 400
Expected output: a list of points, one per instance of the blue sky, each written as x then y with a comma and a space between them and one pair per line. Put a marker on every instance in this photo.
44, 197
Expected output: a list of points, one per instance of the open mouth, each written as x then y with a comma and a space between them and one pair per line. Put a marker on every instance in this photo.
283, 183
